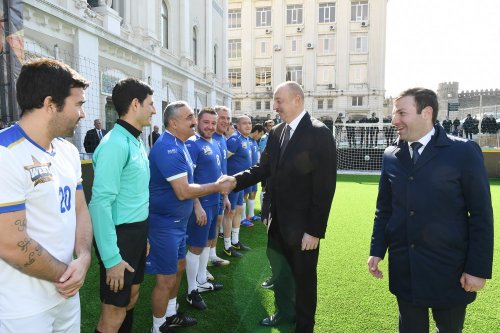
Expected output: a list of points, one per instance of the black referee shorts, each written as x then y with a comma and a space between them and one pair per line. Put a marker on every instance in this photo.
132, 240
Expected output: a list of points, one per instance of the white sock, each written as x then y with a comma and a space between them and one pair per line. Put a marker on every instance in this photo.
201, 277
171, 307
157, 322
235, 235
213, 254
192, 266
261, 198
243, 216
251, 207
227, 243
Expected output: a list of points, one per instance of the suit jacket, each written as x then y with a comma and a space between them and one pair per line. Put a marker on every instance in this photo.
436, 220
92, 140
301, 183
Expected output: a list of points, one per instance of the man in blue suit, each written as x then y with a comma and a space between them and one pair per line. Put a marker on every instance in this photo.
434, 217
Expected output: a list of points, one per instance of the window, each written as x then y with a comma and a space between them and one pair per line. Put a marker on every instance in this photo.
234, 48
359, 44
263, 47
357, 100
329, 103
294, 45
358, 73
164, 25
294, 73
320, 104
195, 47
237, 105
294, 14
326, 74
359, 10
234, 76
263, 17
327, 12
267, 105
263, 76
234, 18
258, 105
325, 44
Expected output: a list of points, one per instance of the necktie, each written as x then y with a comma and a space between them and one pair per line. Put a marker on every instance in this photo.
99, 134
286, 138
415, 146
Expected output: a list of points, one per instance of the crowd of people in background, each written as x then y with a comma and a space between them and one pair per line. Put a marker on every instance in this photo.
353, 133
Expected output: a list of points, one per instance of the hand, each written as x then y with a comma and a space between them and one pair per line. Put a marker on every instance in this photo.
115, 275
73, 278
471, 283
201, 216
148, 247
373, 267
226, 184
226, 204
309, 242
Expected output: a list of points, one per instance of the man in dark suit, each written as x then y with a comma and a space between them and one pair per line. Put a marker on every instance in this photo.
154, 136
301, 167
434, 216
94, 136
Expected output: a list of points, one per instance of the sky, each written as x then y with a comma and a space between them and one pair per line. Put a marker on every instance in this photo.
434, 41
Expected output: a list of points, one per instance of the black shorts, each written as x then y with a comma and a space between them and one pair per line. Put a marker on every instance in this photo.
132, 240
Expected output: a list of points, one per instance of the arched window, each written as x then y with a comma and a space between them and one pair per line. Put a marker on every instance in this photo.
195, 47
215, 59
164, 25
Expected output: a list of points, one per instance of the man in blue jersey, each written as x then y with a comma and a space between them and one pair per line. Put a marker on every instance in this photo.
268, 126
201, 230
239, 159
250, 192
171, 193
223, 123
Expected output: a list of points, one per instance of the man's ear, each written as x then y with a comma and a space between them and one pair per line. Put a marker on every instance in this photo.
49, 105
427, 112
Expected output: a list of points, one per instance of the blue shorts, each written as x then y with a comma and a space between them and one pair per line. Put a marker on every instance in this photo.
199, 235
236, 199
167, 242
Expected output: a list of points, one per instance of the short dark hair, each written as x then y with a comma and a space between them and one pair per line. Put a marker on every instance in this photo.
205, 110
171, 111
257, 128
126, 90
423, 98
43, 77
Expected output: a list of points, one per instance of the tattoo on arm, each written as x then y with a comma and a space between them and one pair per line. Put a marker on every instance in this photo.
21, 224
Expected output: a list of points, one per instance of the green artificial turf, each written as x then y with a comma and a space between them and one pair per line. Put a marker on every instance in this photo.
349, 299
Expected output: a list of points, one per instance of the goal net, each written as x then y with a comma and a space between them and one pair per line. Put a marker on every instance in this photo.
360, 146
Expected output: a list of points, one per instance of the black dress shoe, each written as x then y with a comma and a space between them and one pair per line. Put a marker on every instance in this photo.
272, 320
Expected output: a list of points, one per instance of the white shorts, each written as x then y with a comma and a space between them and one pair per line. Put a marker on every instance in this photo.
62, 318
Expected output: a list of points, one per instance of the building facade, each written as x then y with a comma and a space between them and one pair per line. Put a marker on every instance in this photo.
334, 49
178, 47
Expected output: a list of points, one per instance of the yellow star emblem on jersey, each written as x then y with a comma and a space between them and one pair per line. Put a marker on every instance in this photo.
39, 172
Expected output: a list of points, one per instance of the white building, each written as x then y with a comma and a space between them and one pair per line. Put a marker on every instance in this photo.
179, 47
334, 49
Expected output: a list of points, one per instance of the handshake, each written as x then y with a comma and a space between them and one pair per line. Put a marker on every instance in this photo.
226, 184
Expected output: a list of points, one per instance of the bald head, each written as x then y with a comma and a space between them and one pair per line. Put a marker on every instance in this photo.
288, 100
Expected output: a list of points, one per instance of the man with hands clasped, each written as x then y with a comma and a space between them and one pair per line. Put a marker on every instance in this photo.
433, 216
